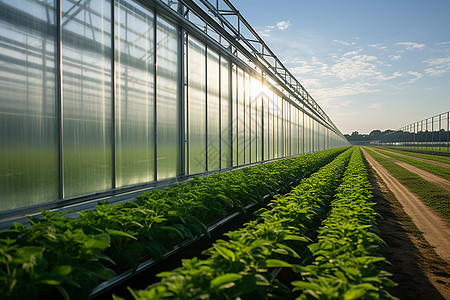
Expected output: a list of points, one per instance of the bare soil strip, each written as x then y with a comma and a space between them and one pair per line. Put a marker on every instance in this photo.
435, 229
437, 163
419, 272
439, 181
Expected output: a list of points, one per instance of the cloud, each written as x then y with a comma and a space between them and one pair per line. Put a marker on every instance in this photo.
283, 25
352, 52
375, 106
395, 57
411, 45
356, 66
335, 96
416, 75
395, 75
443, 43
438, 66
341, 42
377, 46
264, 33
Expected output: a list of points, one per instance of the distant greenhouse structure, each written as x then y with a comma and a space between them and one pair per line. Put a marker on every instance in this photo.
103, 99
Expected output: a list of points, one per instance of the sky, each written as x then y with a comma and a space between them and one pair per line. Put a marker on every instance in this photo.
370, 64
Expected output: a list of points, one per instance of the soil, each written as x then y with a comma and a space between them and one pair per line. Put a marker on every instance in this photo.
416, 267
437, 180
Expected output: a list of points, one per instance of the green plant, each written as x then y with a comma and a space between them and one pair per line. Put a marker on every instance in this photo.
240, 267
346, 263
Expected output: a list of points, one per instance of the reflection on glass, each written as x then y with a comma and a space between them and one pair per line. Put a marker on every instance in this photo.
213, 113
28, 126
266, 124
254, 99
87, 99
247, 118
196, 106
226, 125
293, 118
275, 126
167, 109
235, 102
280, 127
241, 118
134, 94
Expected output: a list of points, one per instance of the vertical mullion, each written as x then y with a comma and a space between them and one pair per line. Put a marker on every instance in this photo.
181, 80
230, 108
187, 140
220, 108
59, 100
262, 118
113, 95
206, 107
155, 96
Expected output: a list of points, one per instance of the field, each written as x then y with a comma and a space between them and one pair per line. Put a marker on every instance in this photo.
437, 149
316, 226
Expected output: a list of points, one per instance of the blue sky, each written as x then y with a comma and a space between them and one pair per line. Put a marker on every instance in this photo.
374, 64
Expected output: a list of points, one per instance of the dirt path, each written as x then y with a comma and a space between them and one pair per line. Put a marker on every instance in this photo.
437, 163
419, 272
435, 229
439, 181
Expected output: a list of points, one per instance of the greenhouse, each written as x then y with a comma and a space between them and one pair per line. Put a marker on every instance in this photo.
101, 98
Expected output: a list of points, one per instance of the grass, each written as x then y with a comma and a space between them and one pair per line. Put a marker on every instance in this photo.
437, 151
431, 148
442, 159
434, 196
437, 170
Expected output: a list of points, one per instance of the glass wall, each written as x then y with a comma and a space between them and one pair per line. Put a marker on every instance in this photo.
196, 108
213, 110
167, 101
135, 99
225, 116
28, 131
235, 104
91, 103
240, 118
247, 118
87, 97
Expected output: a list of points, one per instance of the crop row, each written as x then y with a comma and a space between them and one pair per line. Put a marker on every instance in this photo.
241, 265
347, 264
57, 254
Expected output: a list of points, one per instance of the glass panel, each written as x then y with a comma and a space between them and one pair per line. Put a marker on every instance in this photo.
266, 123
225, 113
247, 119
240, 118
275, 126
280, 127
87, 99
287, 127
259, 130
134, 94
213, 113
167, 102
294, 132
306, 133
255, 102
235, 122
196, 106
301, 136
28, 127
270, 125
